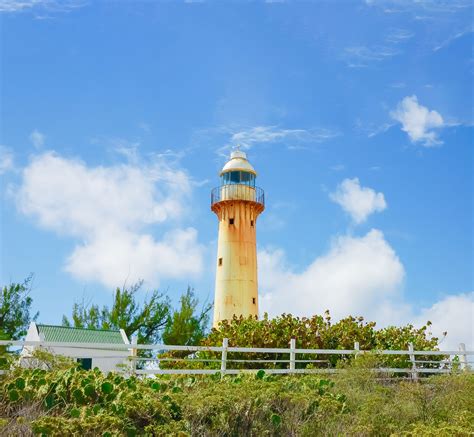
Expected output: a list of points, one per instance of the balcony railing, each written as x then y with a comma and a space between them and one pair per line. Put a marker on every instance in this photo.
237, 192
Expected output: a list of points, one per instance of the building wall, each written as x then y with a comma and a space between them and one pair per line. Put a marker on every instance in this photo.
105, 360
236, 272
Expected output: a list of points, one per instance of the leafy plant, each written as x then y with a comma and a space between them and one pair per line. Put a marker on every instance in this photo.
15, 308
317, 332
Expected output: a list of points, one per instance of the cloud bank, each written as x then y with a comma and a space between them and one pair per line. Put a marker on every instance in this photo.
349, 278
107, 210
359, 276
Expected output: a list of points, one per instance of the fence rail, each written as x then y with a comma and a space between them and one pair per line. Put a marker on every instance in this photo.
450, 360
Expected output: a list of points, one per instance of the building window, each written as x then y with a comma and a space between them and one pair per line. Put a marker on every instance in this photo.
231, 221
251, 222
220, 261
85, 363
254, 301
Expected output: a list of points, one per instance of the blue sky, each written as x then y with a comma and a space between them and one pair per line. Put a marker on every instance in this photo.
117, 116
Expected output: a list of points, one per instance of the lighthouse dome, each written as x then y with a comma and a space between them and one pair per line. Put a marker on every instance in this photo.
238, 162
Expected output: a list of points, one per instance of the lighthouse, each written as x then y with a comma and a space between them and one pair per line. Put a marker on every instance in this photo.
237, 202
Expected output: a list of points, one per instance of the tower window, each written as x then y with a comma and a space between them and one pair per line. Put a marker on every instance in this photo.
238, 177
254, 301
251, 222
220, 261
231, 221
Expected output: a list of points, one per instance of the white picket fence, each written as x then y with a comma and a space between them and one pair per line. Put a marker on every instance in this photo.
454, 360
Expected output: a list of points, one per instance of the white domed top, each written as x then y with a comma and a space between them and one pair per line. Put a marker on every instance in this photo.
238, 162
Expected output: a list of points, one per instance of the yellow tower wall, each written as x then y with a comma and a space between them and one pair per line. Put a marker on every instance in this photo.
236, 291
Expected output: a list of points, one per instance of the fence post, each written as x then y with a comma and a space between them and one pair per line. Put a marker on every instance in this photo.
292, 355
133, 356
225, 345
414, 373
356, 349
462, 356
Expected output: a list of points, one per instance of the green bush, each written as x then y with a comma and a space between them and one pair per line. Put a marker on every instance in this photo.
355, 402
317, 332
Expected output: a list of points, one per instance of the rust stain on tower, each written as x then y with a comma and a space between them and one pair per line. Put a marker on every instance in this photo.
237, 202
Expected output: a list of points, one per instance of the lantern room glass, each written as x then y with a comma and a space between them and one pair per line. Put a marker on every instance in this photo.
238, 177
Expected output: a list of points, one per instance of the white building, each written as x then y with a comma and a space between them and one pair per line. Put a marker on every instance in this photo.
89, 357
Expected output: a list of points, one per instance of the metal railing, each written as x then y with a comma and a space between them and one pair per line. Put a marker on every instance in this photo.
219, 358
238, 192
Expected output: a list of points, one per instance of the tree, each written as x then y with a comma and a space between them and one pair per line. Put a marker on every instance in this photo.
15, 307
185, 326
146, 321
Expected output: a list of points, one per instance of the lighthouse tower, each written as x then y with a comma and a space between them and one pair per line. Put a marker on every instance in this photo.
237, 202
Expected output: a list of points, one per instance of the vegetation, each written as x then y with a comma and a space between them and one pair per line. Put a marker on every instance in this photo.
15, 308
152, 321
187, 326
146, 320
68, 401
318, 332
55, 397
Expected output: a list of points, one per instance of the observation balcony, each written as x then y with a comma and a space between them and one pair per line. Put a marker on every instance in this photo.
233, 192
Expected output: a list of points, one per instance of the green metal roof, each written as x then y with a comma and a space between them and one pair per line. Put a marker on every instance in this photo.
79, 335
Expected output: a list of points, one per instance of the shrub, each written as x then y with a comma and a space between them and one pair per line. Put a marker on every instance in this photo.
317, 332
355, 402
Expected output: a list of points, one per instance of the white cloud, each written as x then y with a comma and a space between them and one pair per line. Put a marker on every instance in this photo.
108, 209
453, 314
118, 255
6, 159
31, 5
359, 202
362, 56
249, 137
272, 134
436, 7
372, 129
398, 85
359, 276
37, 139
453, 37
19, 5
418, 121
397, 36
